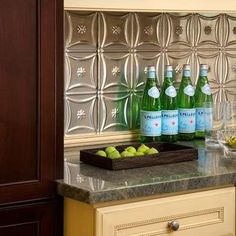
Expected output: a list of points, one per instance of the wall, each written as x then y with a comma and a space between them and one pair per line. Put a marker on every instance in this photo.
106, 55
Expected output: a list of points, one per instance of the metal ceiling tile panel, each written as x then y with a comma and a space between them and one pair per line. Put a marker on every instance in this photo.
229, 69
178, 31
115, 31
141, 61
80, 31
114, 72
113, 112
229, 35
81, 114
107, 54
217, 94
80, 73
214, 61
209, 31
228, 94
148, 31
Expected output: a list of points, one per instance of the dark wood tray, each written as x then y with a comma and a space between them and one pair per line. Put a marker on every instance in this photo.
168, 153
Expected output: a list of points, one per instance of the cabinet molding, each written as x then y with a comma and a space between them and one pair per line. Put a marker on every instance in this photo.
151, 5
213, 215
217, 212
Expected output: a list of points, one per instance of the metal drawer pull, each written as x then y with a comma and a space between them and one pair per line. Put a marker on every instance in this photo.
173, 225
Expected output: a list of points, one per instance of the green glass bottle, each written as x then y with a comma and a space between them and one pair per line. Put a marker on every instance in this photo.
150, 112
186, 106
202, 94
169, 108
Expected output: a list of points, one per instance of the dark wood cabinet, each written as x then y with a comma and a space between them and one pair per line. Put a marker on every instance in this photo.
31, 220
31, 116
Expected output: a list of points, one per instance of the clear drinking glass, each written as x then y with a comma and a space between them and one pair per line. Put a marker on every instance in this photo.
214, 121
230, 115
226, 139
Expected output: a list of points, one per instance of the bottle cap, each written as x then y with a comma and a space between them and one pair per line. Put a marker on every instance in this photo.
203, 67
186, 67
151, 68
168, 67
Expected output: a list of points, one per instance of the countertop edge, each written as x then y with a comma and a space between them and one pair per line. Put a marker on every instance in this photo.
148, 190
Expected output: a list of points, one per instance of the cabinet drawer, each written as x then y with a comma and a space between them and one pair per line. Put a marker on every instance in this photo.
207, 213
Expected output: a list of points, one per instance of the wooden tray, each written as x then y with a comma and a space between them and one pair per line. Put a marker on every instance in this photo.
168, 153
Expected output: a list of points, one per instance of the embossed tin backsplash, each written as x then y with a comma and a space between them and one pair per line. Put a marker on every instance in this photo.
106, 55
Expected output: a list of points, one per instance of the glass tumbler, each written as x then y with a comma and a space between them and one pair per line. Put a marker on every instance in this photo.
214, 121
230, 115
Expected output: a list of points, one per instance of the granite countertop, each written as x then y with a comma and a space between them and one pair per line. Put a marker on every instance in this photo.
95, 185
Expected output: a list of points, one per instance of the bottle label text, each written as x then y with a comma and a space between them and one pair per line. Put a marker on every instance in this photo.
200, 119
150, 123
187, 120
169, 124
208, 119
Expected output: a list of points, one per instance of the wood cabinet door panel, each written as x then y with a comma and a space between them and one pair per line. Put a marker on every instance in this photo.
18, 91
31, 98
29, 229
39, 219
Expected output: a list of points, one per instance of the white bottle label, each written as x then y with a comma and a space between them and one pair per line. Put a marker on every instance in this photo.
187, 120
189, 90
200, 119
154, 92
206, 89
208, 119
169, 123
150, 123
171, 91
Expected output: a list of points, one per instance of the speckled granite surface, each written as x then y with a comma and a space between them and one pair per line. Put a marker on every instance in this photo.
94, 185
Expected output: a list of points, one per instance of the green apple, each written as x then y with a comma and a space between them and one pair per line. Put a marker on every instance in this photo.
139, 154
110, 149
143, 148
127, 154
131, 149
151, 151
115, 154
101, 153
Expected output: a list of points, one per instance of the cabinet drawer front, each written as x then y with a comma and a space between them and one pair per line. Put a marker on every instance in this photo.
210, 213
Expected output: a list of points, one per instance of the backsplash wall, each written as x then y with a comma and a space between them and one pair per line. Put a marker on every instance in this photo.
106, 55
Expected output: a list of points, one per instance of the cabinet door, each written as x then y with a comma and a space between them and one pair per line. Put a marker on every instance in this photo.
209, 213
31, 98
31, 220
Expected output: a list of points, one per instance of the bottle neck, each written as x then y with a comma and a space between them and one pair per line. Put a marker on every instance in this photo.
151, 75
168, 81
168, 74
202, 80
203, 73
186, 79
186, 73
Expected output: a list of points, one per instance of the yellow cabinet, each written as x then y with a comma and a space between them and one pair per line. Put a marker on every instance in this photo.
206, 213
